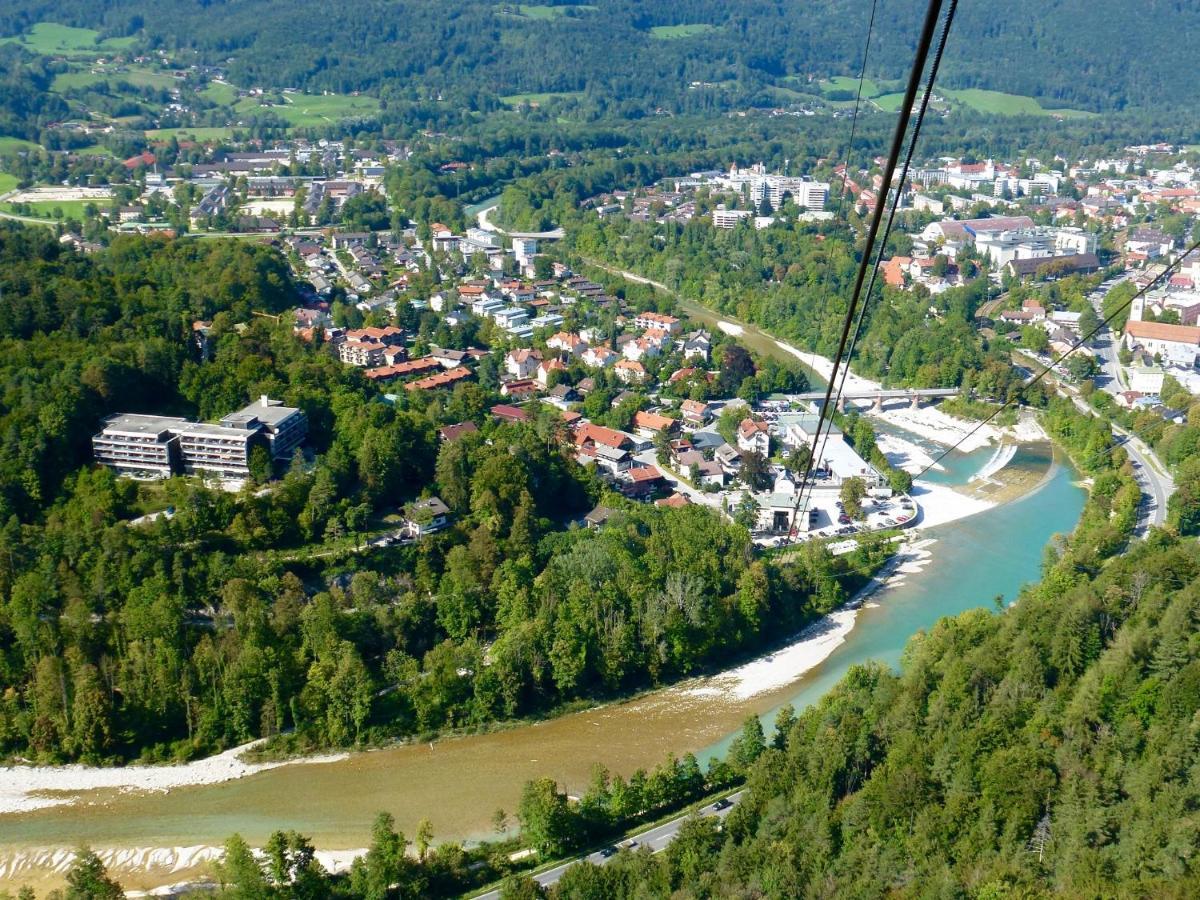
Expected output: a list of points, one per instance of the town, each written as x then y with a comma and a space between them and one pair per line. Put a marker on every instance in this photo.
656, 404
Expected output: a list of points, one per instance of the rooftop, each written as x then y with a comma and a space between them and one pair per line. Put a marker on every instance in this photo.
134, 423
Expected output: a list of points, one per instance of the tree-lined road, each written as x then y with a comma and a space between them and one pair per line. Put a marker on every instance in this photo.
1152, 477
656, 838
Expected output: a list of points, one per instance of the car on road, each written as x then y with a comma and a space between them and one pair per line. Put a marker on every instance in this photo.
632, 844
723, 803
608, 851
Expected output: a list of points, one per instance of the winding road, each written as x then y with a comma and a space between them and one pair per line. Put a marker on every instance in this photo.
1152, 476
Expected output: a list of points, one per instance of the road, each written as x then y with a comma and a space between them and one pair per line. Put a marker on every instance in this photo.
484, 218
656, 838
1157, 486
1112, 378
1155, 481
1152, 476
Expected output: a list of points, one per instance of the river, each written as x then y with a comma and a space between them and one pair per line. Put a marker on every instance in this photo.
459, 783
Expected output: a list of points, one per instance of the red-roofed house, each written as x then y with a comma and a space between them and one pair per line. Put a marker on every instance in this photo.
522, 363
548, 367
630, 371
587, 433
894, 269
754, 437
452, 433
650, 424
506, 413
520, 389
645, 320
643, 480
567, 342
1176, 344
440, 380
145, 158
675, 501
695, 412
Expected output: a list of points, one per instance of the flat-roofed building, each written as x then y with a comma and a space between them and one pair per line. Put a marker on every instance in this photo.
222, 450
159, 446
285, 427
143, 446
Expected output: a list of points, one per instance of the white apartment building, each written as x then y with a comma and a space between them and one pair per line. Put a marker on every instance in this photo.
1003, 247
143, 446
728, 218
159, 446
803, 190
1074, 240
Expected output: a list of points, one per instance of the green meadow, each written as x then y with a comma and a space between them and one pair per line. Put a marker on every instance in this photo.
52, 39
675, 32
518, 99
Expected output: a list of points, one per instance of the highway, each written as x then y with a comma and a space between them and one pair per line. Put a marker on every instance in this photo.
656, 838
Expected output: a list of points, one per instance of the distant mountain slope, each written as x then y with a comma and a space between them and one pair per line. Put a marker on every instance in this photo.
1089, 54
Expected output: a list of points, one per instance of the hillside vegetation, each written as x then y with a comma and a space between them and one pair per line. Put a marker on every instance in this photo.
1064, 53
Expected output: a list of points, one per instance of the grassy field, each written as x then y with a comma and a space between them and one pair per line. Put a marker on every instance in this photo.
518, 99
675, 32
846, 83
13, 144
221, 94
309, 110
1001, 104
66, 81
84, 77
7, 182
94, 150
533, 11
44, 209
888, 102
52, 39
994, 103
194, 134
152, 78
997, 102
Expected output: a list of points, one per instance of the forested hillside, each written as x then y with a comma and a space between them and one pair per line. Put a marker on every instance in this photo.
636, 55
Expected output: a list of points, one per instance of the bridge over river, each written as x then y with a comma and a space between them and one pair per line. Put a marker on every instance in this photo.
913, 395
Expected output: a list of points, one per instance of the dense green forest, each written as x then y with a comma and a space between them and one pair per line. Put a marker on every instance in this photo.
25, 103
1061, 52
247, 615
